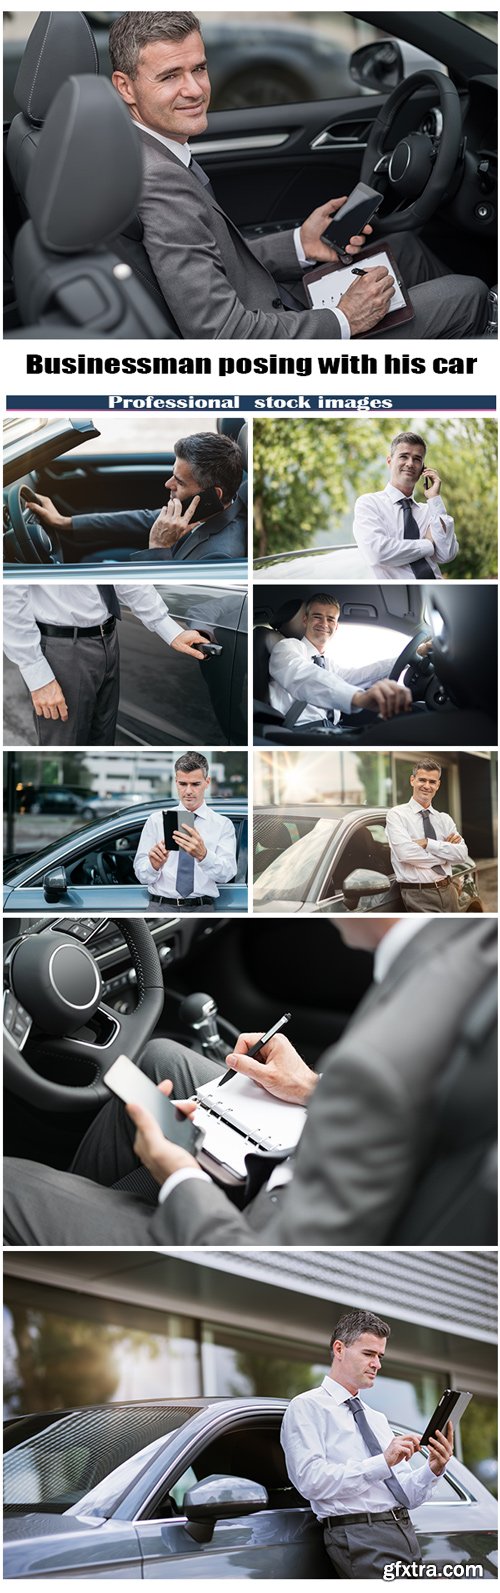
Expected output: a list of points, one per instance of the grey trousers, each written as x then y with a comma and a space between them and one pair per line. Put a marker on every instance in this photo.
365, 1550
433, 900
88, 672
43, 1206
444, 305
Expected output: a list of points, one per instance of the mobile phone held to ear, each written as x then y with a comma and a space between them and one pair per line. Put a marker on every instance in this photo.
358, 210
173, 820
135, 1089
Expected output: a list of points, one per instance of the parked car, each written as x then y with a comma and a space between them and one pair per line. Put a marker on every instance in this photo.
92, 869
193, 1488
343, 562
327, 859
269, 171
40, 454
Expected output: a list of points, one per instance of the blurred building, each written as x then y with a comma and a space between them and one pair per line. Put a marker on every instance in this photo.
381, 779
104, 1325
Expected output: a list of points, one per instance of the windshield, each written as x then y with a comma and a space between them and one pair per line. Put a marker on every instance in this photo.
289, 876
74, 1458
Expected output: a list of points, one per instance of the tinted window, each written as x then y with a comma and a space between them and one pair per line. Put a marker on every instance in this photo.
290, 875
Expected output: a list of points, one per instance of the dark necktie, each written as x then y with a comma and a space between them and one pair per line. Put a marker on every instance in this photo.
184, 880
198, 172
373, 1447
319, 661
109, 597
411, 533
430, 835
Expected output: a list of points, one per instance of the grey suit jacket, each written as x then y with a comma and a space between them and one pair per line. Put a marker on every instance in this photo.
371, 1116
215, 284
223, 536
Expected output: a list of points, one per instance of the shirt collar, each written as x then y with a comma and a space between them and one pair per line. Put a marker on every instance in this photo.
417, 807
393, 942
182, 151
395, 494
199, 813
336, 1390
314, 651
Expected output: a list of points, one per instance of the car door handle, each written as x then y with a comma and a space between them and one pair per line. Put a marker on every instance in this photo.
342, 135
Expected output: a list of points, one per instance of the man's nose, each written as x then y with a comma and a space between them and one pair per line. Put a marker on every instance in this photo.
191, 87
170, 483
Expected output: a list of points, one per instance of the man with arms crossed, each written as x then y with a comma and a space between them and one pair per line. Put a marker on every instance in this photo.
342, 1456
65, 643
304, 675
217, 285
188, 879
401, 539
424, 845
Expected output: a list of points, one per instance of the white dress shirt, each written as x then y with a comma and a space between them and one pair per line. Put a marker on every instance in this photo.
70, 604
421, 865
379, 532
183, 153
295, 678
327, 1460
216, 868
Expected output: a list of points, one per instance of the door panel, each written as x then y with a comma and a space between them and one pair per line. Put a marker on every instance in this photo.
278, 1543
164, 694
105, 482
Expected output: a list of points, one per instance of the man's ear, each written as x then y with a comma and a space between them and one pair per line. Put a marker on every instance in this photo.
124, 86
389, 460
220, 494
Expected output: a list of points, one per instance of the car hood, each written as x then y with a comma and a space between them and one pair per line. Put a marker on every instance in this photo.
278, 906
340, 564
37, 1525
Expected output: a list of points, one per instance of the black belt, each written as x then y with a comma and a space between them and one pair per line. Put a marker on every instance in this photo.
183, 901
73, 632
439, 884
400, 1513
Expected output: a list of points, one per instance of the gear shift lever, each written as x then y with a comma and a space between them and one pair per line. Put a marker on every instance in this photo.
199, 1013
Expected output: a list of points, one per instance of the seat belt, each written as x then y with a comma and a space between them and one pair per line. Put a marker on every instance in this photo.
294, 712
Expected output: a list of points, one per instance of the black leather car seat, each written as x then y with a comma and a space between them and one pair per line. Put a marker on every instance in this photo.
83, 186
61, 44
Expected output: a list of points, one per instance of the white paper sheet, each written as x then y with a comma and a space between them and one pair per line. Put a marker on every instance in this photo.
275, 1125
326, 291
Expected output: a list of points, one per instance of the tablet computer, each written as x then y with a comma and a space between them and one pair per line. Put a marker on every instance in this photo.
450, 1408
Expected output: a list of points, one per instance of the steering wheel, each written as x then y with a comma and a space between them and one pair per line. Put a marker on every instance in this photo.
419, 168
409, 654
34, 544
54, 998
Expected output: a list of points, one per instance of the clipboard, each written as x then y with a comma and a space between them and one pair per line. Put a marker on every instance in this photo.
394, 317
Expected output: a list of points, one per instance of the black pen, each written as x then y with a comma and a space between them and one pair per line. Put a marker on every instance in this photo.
254, 1051
358, 271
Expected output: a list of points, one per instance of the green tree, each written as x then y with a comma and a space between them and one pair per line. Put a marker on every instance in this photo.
306, 473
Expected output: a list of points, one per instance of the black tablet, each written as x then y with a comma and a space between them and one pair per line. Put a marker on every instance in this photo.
450, 1408
172, 820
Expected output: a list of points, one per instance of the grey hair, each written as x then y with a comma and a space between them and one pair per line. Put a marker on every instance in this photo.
135, 29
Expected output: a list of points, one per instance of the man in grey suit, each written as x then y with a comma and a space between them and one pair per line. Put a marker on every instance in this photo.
204, 519
215, 283
369, 1129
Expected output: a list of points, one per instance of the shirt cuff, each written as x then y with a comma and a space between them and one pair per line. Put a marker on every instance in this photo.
38, 674
436, 505
168, 630
301, 257
345, 329
178, 1178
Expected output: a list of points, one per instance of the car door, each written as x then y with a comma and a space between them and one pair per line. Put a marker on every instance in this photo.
272, 1544
166, 696
87, 483
361, 844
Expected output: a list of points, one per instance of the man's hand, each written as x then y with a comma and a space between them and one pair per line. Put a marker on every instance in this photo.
49, 701
45, 511
186, 641
367, 299
401, 1449
284, 1075
158, 855
190, 841
423, 843
425, 647
455, 838
159, 1155
385, 698
440, 1450
433, 490
315, 225
172, 523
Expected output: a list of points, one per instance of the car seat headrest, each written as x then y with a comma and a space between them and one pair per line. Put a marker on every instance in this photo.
242, 441
60, 43
86, 178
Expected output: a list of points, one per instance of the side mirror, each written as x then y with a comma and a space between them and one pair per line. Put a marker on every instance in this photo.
364, 882
219, 1498
378, 66
55, 884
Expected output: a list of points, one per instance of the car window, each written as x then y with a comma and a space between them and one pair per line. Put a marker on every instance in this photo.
365, 848
90, 1454
357, 645
290, 875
